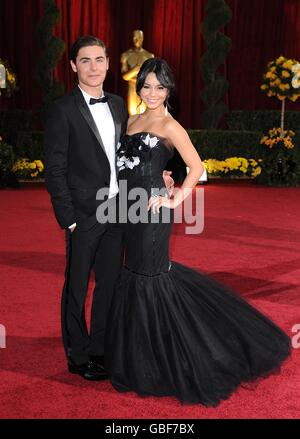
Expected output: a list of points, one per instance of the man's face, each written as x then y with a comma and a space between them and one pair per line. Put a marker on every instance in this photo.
91, 66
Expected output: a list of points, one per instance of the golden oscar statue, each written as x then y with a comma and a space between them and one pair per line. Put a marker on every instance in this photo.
131, 61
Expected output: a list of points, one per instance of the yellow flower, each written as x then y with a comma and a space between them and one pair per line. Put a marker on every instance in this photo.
253, 162
256, 171
209, 165
39, 165
285, 74
280, 60
278, 136
240, 164
288, 64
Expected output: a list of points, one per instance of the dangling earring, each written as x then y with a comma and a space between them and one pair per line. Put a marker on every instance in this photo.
138, 110
166, 105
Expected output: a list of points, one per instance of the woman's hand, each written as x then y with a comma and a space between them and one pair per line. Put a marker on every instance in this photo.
156, 202
169, 182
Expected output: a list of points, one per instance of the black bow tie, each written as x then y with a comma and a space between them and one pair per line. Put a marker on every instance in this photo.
99, 100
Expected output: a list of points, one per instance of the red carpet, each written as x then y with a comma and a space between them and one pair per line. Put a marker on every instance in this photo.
251, 242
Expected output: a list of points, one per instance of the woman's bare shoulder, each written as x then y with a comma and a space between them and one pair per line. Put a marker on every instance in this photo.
173, 127
131, 120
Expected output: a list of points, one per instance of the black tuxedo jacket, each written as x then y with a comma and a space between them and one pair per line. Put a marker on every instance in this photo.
76, 165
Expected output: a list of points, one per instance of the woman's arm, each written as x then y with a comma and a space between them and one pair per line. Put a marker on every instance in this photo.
177, 136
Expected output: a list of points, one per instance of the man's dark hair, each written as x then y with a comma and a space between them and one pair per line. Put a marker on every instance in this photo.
86, 40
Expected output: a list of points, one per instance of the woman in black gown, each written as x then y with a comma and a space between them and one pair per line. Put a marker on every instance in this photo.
173, 330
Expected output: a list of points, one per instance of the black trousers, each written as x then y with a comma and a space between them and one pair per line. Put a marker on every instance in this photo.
99, 249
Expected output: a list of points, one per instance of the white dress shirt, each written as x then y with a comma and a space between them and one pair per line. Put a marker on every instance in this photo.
106, 127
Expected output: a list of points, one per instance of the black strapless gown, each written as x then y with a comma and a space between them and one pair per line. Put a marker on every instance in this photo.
174, 331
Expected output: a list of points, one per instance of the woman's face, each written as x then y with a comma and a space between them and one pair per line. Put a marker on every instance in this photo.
153, 93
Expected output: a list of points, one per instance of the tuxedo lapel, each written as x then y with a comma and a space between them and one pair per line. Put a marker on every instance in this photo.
116, 119
84, 110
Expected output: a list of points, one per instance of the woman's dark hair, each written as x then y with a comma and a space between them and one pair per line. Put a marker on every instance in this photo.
87, 40
163, 74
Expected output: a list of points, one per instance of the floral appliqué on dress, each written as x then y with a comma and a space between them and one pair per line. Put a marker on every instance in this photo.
130, 145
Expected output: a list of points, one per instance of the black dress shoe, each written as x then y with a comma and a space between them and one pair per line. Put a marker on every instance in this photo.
95, 369
77, 369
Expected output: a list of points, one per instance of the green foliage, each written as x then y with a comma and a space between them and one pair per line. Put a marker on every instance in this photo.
16, 129
30, 145
12, 122
261, 120
280, 167
221, 144
53, 49
218, 14
7, 158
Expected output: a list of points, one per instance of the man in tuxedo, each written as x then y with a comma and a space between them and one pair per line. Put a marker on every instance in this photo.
81, 137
